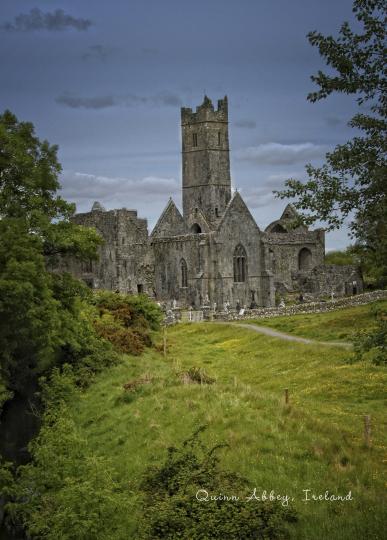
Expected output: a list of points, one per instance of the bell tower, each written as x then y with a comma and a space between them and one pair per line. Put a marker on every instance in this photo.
206, 159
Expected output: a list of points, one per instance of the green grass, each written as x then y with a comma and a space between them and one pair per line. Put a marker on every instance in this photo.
340, 325
315, 443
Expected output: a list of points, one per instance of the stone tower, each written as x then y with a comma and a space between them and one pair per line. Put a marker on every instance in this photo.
206, 161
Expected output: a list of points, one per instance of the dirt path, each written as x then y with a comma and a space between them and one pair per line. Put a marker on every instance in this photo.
280, 335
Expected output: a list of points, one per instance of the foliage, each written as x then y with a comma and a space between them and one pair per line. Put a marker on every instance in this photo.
29, 172
40, 311
67, 491
173, 511
126, 321
341, 258
372, 345
352, 182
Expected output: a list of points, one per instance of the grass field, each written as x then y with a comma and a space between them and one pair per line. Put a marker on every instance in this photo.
314, 443
340, 325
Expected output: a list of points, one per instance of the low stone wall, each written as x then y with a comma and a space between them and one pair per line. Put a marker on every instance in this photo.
310, 307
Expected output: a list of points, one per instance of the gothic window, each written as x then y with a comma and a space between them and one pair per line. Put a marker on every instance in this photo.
194, 139
240, 264
218, 138
216, 212
184, 273
196, 229
278, 228
304, 259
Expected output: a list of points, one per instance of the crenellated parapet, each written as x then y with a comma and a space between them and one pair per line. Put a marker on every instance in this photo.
206, 112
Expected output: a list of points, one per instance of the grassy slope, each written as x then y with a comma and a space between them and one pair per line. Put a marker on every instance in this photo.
316, 443
337, 325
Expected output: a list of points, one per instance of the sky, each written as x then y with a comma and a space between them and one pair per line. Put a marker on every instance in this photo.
105, 81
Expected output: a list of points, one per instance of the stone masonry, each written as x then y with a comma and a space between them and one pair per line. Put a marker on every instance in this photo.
213, 254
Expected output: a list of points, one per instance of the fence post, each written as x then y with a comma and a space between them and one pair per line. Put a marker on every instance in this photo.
367, 430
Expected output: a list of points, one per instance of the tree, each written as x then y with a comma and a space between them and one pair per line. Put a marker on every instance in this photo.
353, 181
39, 310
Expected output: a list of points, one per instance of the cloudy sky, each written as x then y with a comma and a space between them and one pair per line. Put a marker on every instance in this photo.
106, 80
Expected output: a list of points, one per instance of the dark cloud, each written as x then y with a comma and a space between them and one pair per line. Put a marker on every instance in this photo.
128, 100
98, 52
280, 154
247, 124
37, 20
101, 102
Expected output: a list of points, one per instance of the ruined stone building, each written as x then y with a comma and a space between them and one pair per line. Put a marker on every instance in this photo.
213, 252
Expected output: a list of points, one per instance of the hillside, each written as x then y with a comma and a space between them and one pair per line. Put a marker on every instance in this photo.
340, 325
315, 443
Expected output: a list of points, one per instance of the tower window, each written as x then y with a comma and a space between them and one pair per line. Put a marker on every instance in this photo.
216, 212
194, 139
218, 138
184, 273
240, 264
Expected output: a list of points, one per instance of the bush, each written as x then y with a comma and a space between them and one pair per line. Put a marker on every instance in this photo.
66, 491
126, 321
372, 345
197, 375
173, 511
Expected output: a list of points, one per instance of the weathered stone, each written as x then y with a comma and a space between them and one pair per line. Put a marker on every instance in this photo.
213, 254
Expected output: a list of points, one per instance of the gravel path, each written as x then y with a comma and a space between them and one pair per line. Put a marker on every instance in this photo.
280, 335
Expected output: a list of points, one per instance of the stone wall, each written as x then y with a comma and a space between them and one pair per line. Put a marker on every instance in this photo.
125, 259
311, 307
325, 279
284, 249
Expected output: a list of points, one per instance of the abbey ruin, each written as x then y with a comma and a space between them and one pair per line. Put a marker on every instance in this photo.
213, 253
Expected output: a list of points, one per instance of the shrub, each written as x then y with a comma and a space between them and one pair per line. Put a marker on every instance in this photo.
66, 491
173, 511
126, 321
372, 345
197, 375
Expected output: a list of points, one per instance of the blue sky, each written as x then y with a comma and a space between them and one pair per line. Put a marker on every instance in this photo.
106, 80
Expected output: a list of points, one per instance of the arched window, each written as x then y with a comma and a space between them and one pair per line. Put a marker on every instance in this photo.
304, 259
240, 264
184, 273
196, 228
278, 228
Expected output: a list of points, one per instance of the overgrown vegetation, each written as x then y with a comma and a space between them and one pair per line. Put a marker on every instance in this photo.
342, 258
372, 345
67, 491
126, 321
316, 442
178, 500
40, 311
